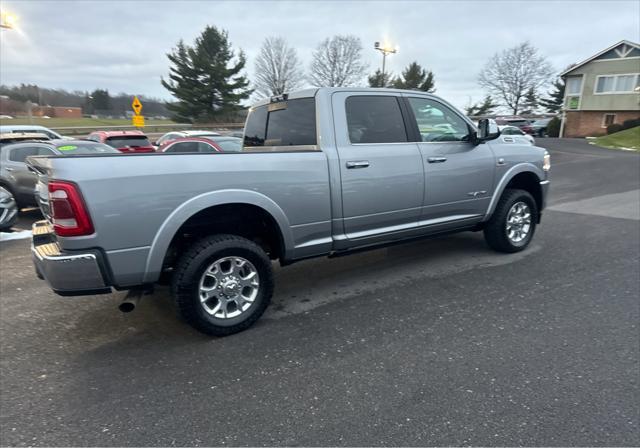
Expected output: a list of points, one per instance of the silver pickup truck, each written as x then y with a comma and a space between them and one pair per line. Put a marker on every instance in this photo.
323, 172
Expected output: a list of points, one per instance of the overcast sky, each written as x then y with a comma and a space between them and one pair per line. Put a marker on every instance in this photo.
121, 45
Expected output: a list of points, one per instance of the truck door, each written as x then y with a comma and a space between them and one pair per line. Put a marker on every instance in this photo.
381, 171
459, 175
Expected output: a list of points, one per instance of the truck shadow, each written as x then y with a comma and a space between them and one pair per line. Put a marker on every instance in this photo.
299, 288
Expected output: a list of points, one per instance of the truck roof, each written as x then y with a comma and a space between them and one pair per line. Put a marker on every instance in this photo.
308, 93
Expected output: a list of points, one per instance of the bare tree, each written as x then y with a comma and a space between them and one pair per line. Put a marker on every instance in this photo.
509, 75
337, 62
277, 68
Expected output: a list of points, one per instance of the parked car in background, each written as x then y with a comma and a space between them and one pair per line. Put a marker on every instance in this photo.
203, 144
227, 143
123, 141
19, 180
8, 210
540, 127
170, 136
517, 134
190, 144
239, 133
519, 122
29, 128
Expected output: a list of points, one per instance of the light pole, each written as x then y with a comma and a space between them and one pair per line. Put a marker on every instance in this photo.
385, 51
7, 20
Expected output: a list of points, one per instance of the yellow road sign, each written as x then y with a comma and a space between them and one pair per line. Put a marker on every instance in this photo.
138, 121
136, 105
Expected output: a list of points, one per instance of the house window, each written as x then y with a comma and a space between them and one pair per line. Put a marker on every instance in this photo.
608, 119
574, 85
617, 83
625, 83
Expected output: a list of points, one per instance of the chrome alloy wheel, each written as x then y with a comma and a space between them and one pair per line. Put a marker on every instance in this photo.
518, 222
8, 208
228, 287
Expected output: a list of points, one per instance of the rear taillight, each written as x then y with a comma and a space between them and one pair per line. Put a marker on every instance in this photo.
68, 211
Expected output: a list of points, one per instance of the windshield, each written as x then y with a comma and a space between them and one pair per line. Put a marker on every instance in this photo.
86, 148
124, 141
543, 122
511, 130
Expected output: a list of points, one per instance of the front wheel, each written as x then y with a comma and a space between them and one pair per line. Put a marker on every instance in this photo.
513, 222
223, 284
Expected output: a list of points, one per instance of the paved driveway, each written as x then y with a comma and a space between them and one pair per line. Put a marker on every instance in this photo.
441, 342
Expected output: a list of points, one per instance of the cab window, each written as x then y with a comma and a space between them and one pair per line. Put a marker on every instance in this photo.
437, 122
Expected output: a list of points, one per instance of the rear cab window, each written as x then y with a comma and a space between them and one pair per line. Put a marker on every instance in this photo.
282, 124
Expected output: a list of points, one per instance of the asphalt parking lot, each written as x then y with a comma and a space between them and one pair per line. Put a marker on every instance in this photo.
441, 342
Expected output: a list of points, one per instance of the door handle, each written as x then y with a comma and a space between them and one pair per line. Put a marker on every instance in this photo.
436, 159
357, 164
9, 168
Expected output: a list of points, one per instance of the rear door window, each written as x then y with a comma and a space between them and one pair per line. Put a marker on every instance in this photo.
284, 123
375, 119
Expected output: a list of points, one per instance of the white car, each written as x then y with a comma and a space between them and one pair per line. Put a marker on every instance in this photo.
517, 134
31, 128
182, 134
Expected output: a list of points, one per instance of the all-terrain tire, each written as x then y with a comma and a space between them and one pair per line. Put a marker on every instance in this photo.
495, 230
190, 269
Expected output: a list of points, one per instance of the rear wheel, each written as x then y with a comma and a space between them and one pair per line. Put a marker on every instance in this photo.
223, 284
513, 222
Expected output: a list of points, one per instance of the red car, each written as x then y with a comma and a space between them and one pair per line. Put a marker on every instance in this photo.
123, 141
190, 144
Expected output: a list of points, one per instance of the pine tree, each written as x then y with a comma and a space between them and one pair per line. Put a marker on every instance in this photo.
417, 78
206, 79
485, 108
530, 103
377, 80
556, 96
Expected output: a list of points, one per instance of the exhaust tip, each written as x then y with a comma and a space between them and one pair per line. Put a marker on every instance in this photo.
127, 307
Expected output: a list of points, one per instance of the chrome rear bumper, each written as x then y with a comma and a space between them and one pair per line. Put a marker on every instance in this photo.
66, 273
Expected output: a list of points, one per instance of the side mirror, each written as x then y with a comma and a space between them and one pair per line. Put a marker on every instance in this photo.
487, 130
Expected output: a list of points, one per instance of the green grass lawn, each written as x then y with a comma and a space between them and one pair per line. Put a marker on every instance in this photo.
627, 139
75, 122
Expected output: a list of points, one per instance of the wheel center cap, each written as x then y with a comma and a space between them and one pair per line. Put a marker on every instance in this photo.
230, 287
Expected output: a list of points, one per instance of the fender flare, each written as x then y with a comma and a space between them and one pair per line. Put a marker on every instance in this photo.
526, 167
186, 210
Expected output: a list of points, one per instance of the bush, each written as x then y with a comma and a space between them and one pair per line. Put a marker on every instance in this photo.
628, 124
614, 127
553, 128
